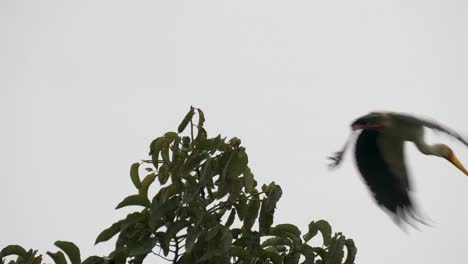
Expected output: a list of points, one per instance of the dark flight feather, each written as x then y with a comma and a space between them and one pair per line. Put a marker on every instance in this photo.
388, 189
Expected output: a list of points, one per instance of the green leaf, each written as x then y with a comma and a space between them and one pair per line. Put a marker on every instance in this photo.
206, 174
249, 181
173, 229
165, 151
134, 175
201, 117
241, 208
192, 235
265, 220
145, 184
236, 164
226, 241
288, 231
231, 218
108, 233
155, 149
336, 250
273, 196
186, 120
58, 257
290, 228
93, 260
212, 232
162, 210
251, 213
308, 252
134, 200
292, 258
235, 190
171, 136
252, 241
237, 251
12, 250
202, 136
163, 174
324, 228
276, 241
119, 256
274, 257
352, 250
37, 260
141, 248
71, 250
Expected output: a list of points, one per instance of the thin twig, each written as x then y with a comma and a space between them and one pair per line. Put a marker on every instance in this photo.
159, 255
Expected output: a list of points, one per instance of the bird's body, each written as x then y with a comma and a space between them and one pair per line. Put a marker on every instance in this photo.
380, 156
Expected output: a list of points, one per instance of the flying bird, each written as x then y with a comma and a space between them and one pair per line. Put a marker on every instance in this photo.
380, 157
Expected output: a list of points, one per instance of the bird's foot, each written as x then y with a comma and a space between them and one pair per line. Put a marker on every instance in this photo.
336, 159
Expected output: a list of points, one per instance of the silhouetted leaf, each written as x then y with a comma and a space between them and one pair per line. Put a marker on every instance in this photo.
236, 164
273, 196
173, 229
336, 250
225, 241
288, 231
352, 250
155, 149
186, 120
93, 260
235, 191
265, 220
165, 151
201, 117
231, 218
163, 175
274, 257
134, 175
241, 208
249, 181
136, 200
308, 253
12, 250
37, 260
145, 184
58, 257
290, 228
71, 250
206, 174
292, 258
192, 235
212, 232
251, 212
108, 233
276, 241
324, 228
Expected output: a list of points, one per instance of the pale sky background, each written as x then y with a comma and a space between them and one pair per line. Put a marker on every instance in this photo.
86, 85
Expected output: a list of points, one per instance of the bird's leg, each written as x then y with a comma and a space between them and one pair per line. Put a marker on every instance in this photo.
337, 157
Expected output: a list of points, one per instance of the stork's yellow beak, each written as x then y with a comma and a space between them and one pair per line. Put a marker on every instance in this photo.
453, 159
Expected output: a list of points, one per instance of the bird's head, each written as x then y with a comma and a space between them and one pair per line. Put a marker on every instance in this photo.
446, 152
370, 121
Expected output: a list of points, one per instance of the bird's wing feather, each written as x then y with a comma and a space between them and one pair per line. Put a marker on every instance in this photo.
429, 124
392, 151
389, 189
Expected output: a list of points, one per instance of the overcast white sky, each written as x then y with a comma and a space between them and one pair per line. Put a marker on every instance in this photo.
86, 85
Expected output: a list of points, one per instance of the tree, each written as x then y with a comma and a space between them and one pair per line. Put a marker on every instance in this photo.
208, 209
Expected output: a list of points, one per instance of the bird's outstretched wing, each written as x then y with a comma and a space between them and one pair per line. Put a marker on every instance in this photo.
389, 186
429, 124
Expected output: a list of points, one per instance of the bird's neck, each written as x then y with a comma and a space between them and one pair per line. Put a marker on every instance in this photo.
427, 149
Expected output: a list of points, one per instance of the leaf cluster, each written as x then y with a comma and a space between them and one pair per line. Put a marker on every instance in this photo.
207, 208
